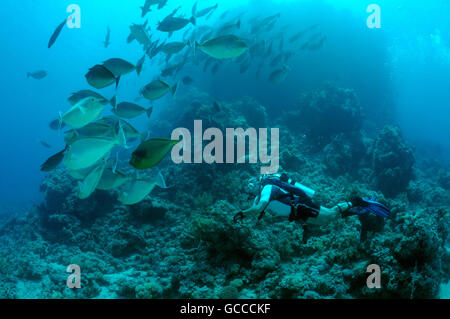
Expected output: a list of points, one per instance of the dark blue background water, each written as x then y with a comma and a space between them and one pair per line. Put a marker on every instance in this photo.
402, 69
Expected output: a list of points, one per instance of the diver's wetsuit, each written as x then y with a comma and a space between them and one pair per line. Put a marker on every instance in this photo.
292, 200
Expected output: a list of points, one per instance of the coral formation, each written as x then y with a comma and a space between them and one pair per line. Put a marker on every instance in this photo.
393, 161
183, 243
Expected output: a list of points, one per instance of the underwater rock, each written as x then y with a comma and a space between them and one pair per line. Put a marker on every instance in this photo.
444, 179
393, 161
324, 113
344, 154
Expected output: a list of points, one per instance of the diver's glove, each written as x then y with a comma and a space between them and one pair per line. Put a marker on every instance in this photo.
238, 216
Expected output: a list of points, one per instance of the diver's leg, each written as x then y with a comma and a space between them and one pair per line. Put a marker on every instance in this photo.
326, 215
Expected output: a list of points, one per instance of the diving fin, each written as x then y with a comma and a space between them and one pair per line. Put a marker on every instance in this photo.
364, 206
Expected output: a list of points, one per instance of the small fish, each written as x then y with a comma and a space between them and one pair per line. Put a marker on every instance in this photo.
171, 24
162, 4
45, 144
139, 32
277, 60
38, 75
88, 186
279, 75
82, 113
106, 43
96, 129
151, 152
173, 47
201, 13
229, 27
118, 67
85, 152
130, 110
56, 33
138, 189
146, 8
297, 36
223, 47
53, 161
100, 77
78, 96
111, 179
55, 125
187, 80
157, 89
139, 65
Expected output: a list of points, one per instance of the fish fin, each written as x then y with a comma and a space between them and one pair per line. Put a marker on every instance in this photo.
193, 21
60, 120
82, 109
117, 81
130, 38
160, 182
194, 10
196, 45
174, 89
113, 101
115, 164
121, 138
170, 34
149, 111
144, 136
139, 67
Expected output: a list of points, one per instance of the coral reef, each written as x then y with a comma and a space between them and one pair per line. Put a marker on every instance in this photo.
324, 113
183, 243
393, 161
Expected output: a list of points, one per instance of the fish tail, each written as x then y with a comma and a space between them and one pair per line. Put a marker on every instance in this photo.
144, 136
149, 111
160, 182
60, 120
139, 69
117, 81
196, 45
194, 10
193, 21
113, 101
121, 138
28, 74
174, 89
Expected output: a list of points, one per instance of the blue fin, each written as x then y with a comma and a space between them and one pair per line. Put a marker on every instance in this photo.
375, 208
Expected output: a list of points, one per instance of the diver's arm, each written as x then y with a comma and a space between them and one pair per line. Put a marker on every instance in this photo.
259, 205
256, 208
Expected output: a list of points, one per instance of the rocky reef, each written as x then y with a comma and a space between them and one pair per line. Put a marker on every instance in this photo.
183, 243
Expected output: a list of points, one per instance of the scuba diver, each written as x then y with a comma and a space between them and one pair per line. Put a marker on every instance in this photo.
286, 197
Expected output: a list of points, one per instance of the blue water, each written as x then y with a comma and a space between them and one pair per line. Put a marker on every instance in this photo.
405, 65
400, 73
